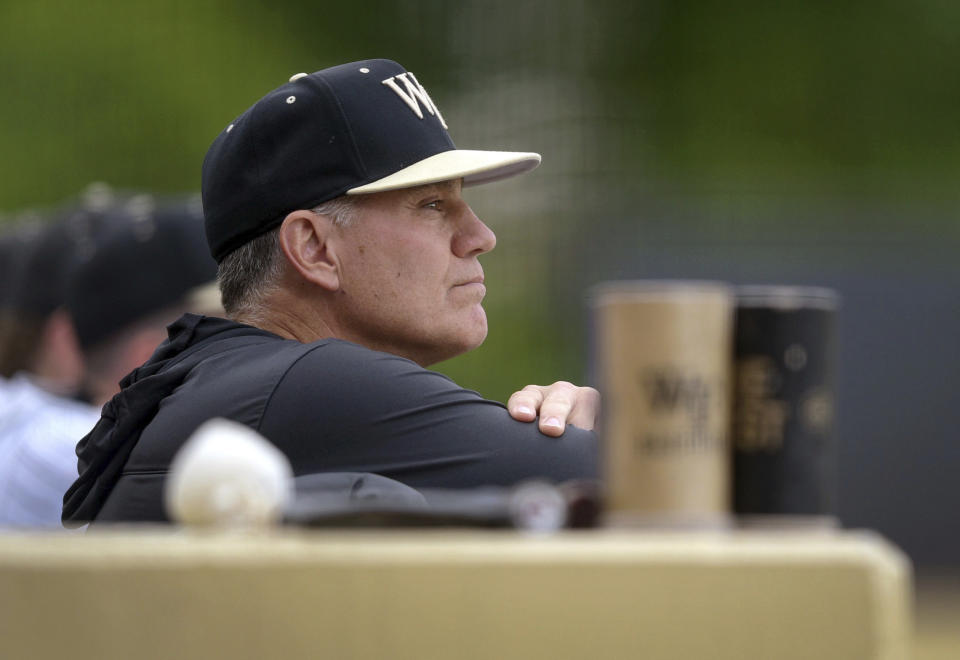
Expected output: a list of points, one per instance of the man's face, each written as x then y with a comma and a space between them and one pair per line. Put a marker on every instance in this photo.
410, 280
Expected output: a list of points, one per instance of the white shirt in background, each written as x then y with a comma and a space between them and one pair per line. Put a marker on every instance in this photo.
38, 437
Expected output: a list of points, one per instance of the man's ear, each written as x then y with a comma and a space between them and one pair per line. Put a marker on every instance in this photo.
304, 238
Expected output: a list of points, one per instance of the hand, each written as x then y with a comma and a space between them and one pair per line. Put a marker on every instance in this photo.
558, 405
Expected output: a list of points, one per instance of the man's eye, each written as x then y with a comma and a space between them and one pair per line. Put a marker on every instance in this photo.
435, 205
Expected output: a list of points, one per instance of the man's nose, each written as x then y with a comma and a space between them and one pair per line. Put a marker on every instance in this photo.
473, 236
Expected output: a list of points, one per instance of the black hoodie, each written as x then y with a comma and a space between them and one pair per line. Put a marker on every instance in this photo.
330, 406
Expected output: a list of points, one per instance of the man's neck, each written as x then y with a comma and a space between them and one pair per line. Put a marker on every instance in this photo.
288, 319
307, 321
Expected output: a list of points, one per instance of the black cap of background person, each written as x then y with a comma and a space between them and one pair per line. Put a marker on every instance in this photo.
35, 280
15, 247
150, 255
41, 283
352, 129
57, 242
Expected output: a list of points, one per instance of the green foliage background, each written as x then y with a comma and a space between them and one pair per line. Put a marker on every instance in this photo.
745, 107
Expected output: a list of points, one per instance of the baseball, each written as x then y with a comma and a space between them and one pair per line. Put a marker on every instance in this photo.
228, 475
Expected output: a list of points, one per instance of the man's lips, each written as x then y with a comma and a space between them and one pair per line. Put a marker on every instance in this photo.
475, 279
474, 283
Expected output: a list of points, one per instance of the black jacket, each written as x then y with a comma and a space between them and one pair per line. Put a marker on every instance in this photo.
330, 406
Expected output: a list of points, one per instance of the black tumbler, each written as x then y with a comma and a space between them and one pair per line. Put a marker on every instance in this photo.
784, 442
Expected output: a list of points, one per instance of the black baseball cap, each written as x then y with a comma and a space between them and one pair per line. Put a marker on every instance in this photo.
42, 250
16, 246
352, 129
150, 254
48, 264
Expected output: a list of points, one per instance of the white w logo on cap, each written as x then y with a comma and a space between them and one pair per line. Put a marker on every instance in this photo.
414, 91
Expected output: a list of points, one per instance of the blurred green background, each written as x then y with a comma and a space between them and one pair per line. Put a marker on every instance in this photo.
798, 142
742, 108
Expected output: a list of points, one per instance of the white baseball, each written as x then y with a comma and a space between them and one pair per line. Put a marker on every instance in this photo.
228, 475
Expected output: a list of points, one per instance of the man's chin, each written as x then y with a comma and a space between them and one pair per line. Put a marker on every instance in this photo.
464, 343
480, 329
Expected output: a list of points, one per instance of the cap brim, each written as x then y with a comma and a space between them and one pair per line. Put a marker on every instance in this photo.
474, 167
205, 299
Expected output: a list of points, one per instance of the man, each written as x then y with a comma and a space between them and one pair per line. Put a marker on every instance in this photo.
40, 423
127, 289
348, 262
104, 287
38, 335
15, 243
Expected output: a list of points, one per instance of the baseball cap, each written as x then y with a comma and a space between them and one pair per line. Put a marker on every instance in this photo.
42, 282
352, 129
15, 247
150, 254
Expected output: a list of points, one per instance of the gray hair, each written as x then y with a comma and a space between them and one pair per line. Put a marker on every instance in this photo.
252, 271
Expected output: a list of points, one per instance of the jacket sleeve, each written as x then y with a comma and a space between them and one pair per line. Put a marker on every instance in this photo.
342, 407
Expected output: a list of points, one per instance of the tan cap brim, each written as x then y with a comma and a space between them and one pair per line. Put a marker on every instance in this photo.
205, 299
474, 167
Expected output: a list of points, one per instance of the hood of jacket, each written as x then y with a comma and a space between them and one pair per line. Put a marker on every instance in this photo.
102, 453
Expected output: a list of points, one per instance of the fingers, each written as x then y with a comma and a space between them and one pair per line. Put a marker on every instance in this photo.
525, 404
557, 405
559, 400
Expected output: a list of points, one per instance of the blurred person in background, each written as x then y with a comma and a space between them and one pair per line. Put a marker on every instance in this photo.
149, 266
40, 419
15, 242
144, 265
40, 337
348, 263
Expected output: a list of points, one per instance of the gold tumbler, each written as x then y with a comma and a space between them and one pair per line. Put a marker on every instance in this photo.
661, 357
